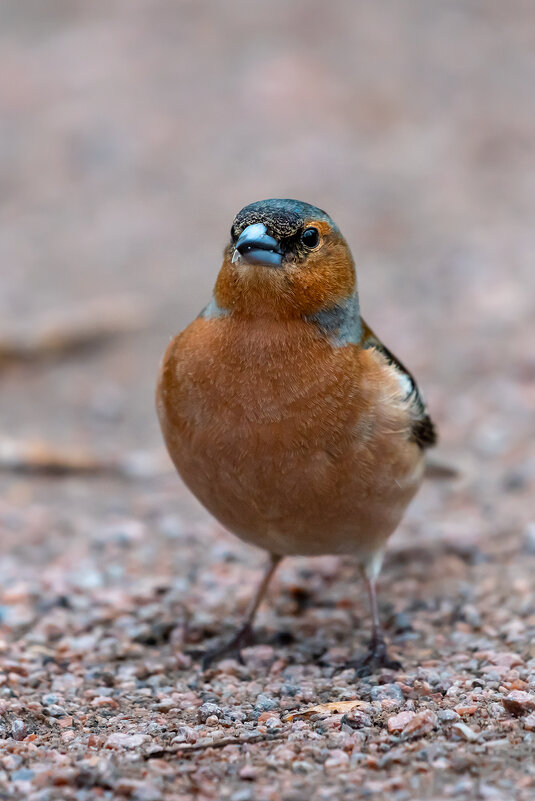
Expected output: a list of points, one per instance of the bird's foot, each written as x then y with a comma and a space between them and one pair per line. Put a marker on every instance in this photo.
231, 649
375, 659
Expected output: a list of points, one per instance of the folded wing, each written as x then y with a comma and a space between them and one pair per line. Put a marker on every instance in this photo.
423, 430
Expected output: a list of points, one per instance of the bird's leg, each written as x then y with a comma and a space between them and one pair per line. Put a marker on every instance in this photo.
245, 635
377, 656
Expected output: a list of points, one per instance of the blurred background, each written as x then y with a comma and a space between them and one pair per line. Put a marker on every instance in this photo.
130, 134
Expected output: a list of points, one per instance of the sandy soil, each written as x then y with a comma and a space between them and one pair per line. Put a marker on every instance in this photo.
130, 134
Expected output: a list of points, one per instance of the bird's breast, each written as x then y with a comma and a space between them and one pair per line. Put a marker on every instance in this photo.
291, 443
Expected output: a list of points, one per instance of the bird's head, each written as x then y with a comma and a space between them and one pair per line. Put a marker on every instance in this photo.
284, 259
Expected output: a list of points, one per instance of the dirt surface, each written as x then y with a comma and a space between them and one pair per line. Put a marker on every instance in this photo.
131, 132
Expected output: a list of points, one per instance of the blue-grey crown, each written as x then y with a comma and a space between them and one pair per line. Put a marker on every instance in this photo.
282, 217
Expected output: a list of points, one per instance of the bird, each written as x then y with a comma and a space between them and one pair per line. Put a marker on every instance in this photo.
283, 412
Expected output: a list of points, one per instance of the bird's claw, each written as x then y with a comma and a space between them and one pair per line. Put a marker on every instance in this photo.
231, 649
375, 659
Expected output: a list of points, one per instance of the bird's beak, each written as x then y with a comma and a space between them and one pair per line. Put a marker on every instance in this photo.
256, 247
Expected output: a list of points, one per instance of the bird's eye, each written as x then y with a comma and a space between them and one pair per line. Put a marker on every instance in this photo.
310, 237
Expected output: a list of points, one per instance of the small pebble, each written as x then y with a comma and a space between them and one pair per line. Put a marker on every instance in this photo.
529, 722
464, 732
387, 691
120, 740
208, 710
519, 702
448, 715
465, 710
18, 729
422, 723
337, 760
398, 722
265, 703
249, 773
356, 719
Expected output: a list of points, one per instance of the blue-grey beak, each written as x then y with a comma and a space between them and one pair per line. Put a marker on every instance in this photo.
256, 247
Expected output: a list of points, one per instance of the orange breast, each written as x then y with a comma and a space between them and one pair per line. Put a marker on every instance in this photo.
292, 444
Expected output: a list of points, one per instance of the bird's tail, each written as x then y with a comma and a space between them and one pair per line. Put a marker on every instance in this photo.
440, 471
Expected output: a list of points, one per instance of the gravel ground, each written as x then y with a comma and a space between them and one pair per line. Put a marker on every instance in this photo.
130, 133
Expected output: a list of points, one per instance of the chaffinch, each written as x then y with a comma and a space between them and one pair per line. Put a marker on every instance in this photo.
282, 410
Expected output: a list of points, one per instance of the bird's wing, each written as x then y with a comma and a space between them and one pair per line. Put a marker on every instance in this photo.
423, 430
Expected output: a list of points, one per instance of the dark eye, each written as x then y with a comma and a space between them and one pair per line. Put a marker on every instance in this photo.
310, 237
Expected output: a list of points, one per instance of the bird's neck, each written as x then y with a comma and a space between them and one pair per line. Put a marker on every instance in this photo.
341, 323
